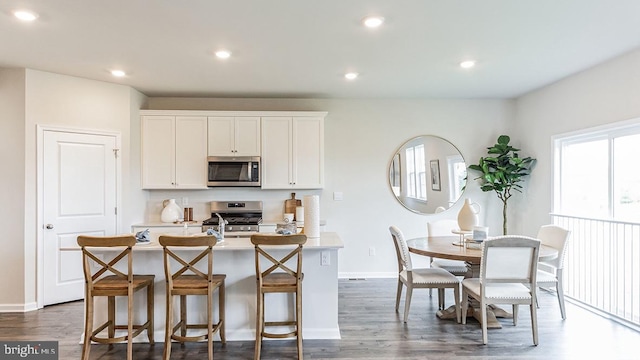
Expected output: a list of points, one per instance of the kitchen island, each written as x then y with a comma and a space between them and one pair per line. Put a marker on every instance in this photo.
235, 258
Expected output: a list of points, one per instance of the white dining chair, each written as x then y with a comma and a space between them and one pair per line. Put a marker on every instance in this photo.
443, 228
430, 278
507, 276
558, 238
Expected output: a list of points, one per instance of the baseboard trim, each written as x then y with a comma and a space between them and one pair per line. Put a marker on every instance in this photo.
4, 308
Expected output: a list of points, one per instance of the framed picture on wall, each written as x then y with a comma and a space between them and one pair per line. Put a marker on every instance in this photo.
435, 175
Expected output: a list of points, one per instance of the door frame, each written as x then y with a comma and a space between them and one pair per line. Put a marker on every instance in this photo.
40, 132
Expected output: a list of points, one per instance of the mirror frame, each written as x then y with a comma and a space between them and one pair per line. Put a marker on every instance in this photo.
432, 166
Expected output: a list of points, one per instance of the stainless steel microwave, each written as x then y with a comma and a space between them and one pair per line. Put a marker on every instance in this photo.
233, 171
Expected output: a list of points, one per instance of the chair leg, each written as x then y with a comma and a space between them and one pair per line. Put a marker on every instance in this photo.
130, 324
560, 293
483, 320
111, 317
259, 321
210, 324
515, 314
534, 324
407, 302
441, 299
150, 312
183, 315
398, 294
456, 295
464, 306
168, 329
299, 320
221, 312
88, 326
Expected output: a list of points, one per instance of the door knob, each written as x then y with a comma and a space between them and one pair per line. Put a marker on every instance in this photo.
49, 226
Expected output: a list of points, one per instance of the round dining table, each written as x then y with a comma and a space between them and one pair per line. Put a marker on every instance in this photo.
447, 247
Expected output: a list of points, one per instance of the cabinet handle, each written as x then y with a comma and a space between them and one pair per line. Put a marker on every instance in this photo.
49, 226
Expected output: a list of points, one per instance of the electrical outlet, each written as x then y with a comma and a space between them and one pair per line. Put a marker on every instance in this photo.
325, 258
372, 251
185, 201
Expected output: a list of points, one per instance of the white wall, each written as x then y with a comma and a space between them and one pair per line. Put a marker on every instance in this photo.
360, 138
604, 94
35, 97
12, 186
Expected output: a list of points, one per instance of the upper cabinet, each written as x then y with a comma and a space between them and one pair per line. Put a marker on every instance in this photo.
174, 152
234, 136
176, 143
293, 152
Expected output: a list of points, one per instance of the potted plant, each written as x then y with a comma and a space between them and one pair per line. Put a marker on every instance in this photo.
502, 171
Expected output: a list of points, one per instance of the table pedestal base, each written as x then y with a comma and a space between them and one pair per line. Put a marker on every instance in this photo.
493, 312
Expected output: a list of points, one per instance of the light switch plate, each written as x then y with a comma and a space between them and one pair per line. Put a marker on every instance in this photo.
337, 195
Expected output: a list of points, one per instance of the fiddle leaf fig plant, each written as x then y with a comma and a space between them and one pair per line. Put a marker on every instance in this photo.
502, 171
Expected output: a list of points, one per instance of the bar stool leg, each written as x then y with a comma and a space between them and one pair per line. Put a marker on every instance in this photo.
183, 316
259, 323
168, 331
299, 320
130, 324
111, 316
210, 323
221, 311
150, 307
88, 326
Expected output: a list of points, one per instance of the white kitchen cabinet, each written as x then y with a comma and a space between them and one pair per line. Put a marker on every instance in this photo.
174, 152
234, 136
293, 152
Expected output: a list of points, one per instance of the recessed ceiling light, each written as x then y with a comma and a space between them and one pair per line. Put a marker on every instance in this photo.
223, 54
351, 75
373, 21
468, 64
118, 73
25, 15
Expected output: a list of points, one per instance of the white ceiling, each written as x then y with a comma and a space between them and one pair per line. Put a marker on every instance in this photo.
302, 48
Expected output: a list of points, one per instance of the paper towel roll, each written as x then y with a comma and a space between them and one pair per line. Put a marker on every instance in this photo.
311, 216
300, 214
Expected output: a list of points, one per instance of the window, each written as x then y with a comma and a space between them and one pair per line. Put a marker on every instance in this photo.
416, 173
457, 177
597, 173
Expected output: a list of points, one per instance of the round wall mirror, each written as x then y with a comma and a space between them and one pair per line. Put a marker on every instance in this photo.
427, 174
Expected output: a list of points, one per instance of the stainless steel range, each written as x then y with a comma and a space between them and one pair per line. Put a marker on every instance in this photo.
241, 217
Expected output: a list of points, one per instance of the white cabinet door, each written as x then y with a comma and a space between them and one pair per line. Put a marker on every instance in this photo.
191, 152
247, 136
221, 136
276, 153
308, 152
174, 152
234, 136
292, 152
158, 152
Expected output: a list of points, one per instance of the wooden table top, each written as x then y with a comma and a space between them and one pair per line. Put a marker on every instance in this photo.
443, 247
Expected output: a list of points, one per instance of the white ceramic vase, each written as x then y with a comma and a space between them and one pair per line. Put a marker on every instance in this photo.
468, 215
171, 212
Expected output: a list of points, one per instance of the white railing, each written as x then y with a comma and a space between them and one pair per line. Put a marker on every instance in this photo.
602, 266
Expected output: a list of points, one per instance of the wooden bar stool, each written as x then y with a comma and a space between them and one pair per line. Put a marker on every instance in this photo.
286, 280
194, 282
118, 284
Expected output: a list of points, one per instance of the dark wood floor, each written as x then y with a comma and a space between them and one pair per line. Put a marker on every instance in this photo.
371, 329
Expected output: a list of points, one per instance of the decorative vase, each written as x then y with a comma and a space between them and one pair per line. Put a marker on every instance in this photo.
171, 211
468, 215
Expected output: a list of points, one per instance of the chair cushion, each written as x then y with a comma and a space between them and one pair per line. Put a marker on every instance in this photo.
456, 267
544, 277
430, 276
497, 291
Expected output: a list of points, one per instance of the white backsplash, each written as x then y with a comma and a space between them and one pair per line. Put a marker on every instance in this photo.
272, 201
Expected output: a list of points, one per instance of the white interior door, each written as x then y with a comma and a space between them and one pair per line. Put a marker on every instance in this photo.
79, 197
